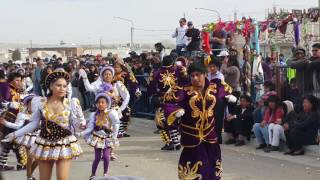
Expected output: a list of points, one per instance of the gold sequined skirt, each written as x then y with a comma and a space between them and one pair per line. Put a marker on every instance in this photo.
99, 141
66, 148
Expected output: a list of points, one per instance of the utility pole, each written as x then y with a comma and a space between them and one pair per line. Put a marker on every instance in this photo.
101, 46
30, 52
131, 30
131, 42
319, 21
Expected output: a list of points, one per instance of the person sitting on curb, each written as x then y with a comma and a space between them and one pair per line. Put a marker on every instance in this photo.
276, 130
302, 129
239, 125
272, 114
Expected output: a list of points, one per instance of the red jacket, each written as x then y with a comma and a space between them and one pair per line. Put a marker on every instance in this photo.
275, 117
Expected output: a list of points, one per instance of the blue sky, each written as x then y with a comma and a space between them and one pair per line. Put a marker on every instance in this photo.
85, 21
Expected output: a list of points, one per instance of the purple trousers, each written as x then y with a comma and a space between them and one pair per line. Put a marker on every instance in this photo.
202, 162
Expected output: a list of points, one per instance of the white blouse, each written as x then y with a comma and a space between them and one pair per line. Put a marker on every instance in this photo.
20, 120
71, 116
119, 89
112, 116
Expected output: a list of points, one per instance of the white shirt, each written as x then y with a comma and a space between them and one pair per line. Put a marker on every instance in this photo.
179, 34
217, 75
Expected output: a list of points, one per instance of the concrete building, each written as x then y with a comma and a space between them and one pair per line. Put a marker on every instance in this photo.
65, 50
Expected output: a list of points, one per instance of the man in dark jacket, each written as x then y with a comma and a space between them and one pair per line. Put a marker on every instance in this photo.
239, 124
194, 39
314, 67
300, 63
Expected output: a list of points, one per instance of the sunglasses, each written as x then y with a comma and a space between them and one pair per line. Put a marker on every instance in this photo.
315, 50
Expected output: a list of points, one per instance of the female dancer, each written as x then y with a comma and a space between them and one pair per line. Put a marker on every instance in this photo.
99, 133
120, 95
27, 140
56, 143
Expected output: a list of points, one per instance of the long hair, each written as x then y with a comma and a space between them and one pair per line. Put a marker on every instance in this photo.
313, 101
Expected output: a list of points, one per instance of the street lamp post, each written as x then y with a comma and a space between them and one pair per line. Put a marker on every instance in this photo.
131, 30
211, 10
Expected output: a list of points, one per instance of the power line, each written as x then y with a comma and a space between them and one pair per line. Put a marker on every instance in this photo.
153, 30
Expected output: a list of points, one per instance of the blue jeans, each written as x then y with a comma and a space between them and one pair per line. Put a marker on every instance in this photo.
262, 134
179, 48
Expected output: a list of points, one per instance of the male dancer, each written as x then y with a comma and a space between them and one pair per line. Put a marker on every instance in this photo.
201, 155
167, 83
10, 100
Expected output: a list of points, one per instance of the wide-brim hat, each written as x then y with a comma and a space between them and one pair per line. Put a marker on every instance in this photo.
56, 74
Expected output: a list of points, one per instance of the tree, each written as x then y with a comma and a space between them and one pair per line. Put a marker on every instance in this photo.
16, 55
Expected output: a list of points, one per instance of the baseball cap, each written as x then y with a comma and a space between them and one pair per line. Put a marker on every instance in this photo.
190, 23
223, 53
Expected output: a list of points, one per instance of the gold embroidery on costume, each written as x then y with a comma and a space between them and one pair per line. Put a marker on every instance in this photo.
133, 78
189, 173
184, 72
118, 77
60, 118
159, 117
15, 95
203, 115
101, 119
226, 86
169, 80
219, 169
172, 117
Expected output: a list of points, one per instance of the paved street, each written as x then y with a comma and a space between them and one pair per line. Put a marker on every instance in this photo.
140, 156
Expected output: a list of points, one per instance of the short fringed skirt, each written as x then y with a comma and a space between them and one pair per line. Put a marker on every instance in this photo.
63, 149
99, 141
27, 140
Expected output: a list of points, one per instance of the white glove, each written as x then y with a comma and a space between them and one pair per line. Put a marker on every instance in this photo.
119, 113
138, 93
83, 124
79, 134
8, 138
5, 104
180, 113
231, 98
14, 105
82, 73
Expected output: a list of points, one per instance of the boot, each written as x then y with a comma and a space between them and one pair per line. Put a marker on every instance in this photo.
170, 147
177, 148
230, 141
240, 143
6, 168
267, 149
261, 146
165, 147
20, 167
